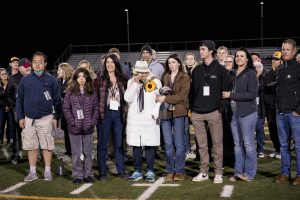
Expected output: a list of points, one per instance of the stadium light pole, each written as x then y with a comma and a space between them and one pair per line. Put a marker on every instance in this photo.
128, 42
261, 27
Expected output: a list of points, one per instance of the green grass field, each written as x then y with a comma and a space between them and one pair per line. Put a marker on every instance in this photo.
60, 187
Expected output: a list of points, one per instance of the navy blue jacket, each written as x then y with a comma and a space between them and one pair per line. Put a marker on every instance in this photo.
245, 92
31, 100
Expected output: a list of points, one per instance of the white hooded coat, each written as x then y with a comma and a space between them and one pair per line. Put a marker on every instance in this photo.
142, 129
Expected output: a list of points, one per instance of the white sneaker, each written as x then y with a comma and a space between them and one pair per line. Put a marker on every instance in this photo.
218, 178
200, 177
278, 156
190, 155
272, 155
261, 155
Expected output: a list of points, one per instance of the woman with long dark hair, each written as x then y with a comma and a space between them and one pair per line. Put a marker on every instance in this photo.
81, 112
110, 89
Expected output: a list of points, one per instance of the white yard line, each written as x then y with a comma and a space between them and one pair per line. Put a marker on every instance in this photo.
81, 188
227, 191
149, 184
14, 187
151, 189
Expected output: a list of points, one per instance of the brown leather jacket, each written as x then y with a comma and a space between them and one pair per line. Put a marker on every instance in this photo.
181, 88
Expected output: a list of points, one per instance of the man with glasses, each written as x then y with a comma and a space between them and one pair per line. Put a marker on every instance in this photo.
38, 109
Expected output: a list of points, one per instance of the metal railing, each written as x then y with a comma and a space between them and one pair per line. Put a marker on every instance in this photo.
171, 46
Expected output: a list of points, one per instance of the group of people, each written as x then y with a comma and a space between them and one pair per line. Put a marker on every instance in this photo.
224, 97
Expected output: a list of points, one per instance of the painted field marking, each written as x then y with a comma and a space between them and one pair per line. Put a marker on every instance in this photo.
81, 188
14, 187
153, 187
227, 191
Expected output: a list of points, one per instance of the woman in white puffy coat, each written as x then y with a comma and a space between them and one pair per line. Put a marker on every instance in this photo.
142, 120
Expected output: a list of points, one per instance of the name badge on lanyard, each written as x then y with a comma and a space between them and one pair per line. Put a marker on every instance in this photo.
47, 95
205, 90
80, 114
113, 105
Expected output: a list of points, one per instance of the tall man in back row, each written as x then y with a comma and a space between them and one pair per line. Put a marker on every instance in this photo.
208, 81
38, 109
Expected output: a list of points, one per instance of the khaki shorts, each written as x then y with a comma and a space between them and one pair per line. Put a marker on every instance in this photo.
38, 134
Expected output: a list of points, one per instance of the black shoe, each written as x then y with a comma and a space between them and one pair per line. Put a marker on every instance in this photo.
102, 178
77, 181
89, 179
123, 175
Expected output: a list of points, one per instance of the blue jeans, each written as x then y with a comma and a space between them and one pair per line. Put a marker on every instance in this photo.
112, 123
173, 132
137, 153
260, 134
244, 144
288, 125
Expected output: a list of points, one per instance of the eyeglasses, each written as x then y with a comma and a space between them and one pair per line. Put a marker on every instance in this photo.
228, 61
3, 74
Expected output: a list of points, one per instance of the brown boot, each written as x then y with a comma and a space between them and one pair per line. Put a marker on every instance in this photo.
169, 177
179, 177
282, 179
296, 181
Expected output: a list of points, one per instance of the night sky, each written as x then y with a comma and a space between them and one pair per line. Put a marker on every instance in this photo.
87, 23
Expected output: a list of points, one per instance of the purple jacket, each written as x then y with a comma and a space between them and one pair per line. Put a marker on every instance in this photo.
90, 107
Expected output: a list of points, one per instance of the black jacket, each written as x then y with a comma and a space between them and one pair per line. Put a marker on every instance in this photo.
288, 87
216, 77
270, 88
245, 92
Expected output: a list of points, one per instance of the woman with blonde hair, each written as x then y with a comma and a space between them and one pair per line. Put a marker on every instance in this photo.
64, 74
87, 65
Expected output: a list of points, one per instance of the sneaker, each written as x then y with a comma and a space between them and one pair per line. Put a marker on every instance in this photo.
89, 179
150, 176
190, 155
272, 155
200, 177
15, 160
261, 155
244, 178
278, 156
47, 176
31, 177
218, 178
136, 175
233, 178
5, 152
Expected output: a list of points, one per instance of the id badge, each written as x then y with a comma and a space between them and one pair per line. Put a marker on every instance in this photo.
205, 90
47, 95
113, 105
80, 114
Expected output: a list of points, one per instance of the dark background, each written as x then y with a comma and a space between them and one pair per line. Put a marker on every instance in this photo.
50, 26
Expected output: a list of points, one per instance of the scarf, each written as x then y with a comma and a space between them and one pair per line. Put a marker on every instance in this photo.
141, 98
